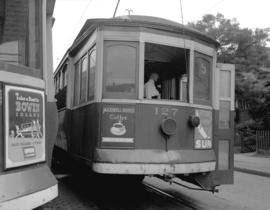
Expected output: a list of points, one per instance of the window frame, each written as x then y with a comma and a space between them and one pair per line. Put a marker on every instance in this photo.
107, 34
79, 59
92, 49
84, 57
188, 55
64, 77
230, 68
118, 95
76, 96
209, 58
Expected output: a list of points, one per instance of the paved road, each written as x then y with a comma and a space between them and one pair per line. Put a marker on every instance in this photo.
81, 194
248, 192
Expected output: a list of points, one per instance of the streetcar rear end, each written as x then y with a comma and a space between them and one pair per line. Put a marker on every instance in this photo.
28, 121
109, 121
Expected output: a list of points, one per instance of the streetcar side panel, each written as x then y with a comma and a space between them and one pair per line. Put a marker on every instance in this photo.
28, 120
77, 108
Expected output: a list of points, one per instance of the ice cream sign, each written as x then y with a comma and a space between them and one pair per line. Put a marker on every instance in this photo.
27, 105
25, 126
118, 124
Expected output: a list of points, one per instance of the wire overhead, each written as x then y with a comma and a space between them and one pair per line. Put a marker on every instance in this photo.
185, 50
181, 8
79, 20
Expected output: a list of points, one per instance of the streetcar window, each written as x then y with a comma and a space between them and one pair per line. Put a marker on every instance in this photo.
21, 35
91, 74
202, 79
64, 76
224, 114
171, 66
58, 82
225, 99
120, 65
225, 84
76, 84
83, 80
55, 84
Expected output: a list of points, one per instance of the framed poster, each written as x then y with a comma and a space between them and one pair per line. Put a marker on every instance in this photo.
24, 126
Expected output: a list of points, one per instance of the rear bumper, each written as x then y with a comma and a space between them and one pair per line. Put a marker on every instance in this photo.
32, 200
153, 156
28, 188
151, 169
124, 161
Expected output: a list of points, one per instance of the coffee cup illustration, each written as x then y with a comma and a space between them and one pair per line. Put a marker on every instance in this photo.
118, 129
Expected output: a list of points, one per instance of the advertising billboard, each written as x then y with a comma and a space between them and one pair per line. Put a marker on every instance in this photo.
24, 126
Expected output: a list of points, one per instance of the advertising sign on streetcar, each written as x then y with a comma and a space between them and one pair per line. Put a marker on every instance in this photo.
203, 133
118, 122
25, 126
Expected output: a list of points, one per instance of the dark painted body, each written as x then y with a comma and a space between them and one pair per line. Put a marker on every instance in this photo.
84, 126
147, 134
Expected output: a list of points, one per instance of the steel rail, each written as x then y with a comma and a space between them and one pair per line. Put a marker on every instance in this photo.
170, 196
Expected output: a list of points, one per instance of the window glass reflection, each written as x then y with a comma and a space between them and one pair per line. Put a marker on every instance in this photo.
120, 64
20, 32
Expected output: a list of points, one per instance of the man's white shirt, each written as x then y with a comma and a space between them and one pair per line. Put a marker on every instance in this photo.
150, 89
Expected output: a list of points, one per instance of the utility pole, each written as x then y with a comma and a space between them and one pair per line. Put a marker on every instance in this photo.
129, 11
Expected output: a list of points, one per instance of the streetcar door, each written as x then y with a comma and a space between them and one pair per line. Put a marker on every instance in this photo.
224, 121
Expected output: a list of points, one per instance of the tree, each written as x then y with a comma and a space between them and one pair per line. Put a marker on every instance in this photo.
246, 48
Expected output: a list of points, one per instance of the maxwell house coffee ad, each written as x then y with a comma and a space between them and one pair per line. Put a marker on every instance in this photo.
25, 126
118, 124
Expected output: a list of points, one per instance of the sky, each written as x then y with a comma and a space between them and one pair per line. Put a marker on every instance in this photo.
70, 15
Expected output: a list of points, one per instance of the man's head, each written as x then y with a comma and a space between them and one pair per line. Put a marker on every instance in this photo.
154, 76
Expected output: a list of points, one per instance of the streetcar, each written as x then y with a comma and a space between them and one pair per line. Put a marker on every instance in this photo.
28, 121
109, 122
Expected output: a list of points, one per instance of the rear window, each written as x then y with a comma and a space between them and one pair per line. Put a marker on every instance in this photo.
83, 80
91, 74
202, 79
76, 84
120, 67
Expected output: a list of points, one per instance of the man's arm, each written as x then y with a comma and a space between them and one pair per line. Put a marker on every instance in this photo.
147, 92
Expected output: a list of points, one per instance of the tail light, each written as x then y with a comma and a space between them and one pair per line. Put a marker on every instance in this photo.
168, 126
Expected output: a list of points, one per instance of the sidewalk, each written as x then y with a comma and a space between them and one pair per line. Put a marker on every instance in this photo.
252, 163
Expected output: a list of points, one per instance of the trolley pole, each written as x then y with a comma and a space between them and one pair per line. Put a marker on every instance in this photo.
116, 8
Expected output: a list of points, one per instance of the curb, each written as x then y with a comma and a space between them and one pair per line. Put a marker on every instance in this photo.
250, 171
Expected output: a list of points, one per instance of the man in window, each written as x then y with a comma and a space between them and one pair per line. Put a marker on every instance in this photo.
150, 90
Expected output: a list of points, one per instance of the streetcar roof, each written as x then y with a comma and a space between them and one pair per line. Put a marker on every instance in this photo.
140, 21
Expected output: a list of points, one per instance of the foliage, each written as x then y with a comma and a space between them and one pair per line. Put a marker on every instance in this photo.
247, 130
246, 48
